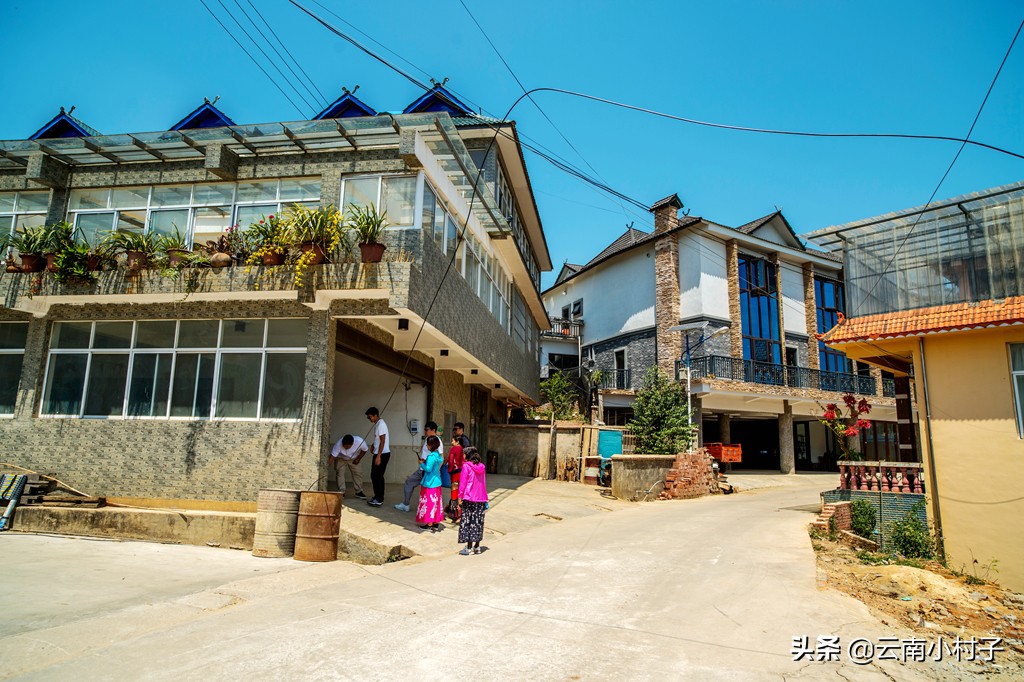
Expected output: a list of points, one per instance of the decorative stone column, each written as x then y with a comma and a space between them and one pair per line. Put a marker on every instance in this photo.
811, 316
666, 283
787, 454
779, 300
732, 270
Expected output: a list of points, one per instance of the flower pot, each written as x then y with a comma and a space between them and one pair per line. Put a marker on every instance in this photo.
221, 260
137, 260
372, 253
273, 258
175, 256
51, 262
320, 255
94, 262
31, 262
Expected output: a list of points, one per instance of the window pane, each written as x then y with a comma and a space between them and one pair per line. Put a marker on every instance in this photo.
242, 333
298, 190
361, 192
1017, 357
82, 199
71, 335
33, 201
257, 191
192, 387
211, 223
65, 378
32, 220
172, 195
399, 198
287, 333
169, 222
155, 334
215, 193
135, 197
283, 385
104, 396
7, 202
12, 334
151, 379
239, 389
1019, 381
427, 211
113, 335
94, 226
247, 215
10, 377
198, 334
5, 223
452, 236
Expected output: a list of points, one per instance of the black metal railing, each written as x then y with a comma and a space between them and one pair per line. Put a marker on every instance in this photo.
738, 369
616, 378
564, 329
889, 388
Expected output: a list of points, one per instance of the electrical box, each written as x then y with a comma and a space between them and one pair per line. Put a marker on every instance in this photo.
414, 426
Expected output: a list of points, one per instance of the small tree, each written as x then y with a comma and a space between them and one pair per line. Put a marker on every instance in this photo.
847, 425
561, 394
661, 424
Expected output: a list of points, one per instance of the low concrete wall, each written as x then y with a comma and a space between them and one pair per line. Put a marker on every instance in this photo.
525, 449
223, 529
633, 473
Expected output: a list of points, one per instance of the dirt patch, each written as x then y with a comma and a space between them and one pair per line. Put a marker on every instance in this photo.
928, 602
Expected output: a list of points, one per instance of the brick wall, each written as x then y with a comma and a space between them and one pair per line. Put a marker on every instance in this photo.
894, 506
692, 475
732, 270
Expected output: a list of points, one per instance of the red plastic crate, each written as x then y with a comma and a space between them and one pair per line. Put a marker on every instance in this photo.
725, 453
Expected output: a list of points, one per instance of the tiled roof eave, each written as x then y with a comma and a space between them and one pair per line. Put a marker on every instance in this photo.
922, 332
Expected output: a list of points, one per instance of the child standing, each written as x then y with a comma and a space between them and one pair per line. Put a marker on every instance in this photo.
455, 461
472, 501
430, 510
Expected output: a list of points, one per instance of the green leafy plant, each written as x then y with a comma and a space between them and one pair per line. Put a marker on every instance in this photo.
862, 518
122, 242
61, 236
33, 241
324, 226
268, 235
73, 264
557, 390
171, 241
661, 423
833, 529
367, 223
910, 536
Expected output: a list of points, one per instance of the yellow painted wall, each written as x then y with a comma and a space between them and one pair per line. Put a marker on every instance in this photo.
979, 457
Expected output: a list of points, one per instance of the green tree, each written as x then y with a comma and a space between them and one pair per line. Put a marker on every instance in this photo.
561, 394
661, 424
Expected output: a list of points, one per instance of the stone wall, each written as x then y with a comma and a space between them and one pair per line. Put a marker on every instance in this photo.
525, 449
634, 475
641, 354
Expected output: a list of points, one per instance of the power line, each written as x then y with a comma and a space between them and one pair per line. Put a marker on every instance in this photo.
322, 97
249, 55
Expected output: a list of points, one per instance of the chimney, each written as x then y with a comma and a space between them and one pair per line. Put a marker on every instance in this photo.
665, 213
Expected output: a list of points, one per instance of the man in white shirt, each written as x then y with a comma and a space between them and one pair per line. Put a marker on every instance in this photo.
346, 455
414, 479
380, 447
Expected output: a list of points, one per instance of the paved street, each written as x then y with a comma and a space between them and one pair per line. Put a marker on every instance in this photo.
713, 588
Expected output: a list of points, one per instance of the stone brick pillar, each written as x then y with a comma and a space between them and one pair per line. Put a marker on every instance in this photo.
779, 300
787, 454
666, 283
876, 373
811, 317
732, 270
725, 428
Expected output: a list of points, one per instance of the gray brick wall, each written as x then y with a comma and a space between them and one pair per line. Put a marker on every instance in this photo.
641, 354
894, 506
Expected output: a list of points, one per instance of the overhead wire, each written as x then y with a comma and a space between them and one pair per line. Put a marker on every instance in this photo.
254, 61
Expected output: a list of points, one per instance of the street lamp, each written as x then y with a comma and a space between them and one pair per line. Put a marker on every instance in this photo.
701, 339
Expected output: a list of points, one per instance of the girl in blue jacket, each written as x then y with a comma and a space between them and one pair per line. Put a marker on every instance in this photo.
430, 510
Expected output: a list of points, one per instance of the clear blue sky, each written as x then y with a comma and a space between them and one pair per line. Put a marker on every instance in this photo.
914, 67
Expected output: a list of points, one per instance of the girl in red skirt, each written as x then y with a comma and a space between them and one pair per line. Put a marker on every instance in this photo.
430, 510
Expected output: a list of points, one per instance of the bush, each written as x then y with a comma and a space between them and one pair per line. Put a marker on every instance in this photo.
561, 394
661, 424
910, 537
862, 518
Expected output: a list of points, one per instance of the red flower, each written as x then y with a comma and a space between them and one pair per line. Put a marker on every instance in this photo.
863, 407
863, 424
829, 415
849, 400
831, 407
271, 217
850, 431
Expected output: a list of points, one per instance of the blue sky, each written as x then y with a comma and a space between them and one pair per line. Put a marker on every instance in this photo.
912, 67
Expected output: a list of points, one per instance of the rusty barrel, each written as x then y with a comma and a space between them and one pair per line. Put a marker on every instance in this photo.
591, 469
276, 518
316, 536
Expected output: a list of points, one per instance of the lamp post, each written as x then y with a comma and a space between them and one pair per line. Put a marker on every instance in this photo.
701, 340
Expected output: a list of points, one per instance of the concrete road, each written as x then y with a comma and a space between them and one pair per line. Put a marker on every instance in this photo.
714, 588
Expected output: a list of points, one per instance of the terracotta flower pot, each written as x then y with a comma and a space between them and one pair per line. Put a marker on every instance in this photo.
175, 256
137, 260
273, 258
31, 262
372, 253
51, 262
320, 255
221, 260
94, 262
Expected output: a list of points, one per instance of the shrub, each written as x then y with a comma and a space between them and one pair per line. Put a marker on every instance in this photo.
560, 393
661, 424
862, 518
910, 537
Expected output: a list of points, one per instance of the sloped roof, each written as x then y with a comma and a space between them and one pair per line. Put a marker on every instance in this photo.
944, 318
438, 99
754, 225
671, 200
206, 115
346, 106
63, 125
631, 237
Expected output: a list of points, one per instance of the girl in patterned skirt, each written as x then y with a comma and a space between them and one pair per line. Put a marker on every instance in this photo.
430, 510
472, 501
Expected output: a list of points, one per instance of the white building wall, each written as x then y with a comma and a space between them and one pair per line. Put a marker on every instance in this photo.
618, 296
793, 307
703, 285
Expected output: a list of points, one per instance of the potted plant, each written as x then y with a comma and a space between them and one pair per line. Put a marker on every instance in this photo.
368, 225
317, 231
61, 236
174, 246
31, 243
268, 241
75, 264
217, 252
137, 247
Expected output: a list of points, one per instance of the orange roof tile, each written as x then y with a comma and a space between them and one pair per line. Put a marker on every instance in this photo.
941, 318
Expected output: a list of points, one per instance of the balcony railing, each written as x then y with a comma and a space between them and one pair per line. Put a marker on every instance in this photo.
738, 369
888, 388
616, 378
564, 329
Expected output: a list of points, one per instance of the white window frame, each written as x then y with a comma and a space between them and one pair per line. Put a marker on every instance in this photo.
132, 351
16, 213
14, 351
1018, 399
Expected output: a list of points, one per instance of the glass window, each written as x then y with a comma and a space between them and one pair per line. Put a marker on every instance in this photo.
33, 201
215, 193
255, 191
211, 223
169, 222
247, 215
361, 192
151, 381
25, 221
5, 224
71, 335
94, 226
12, 353
299, 190
239, 390
1017, 374
104, 395
112, 335
13, 335
65, 378
155, 334
427, 214
287, 333
192, 388
85, 199
399, 198
131, 221
242, 333
129, 197
283, 385
172, 195
198, 333
7, 201
451, 234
